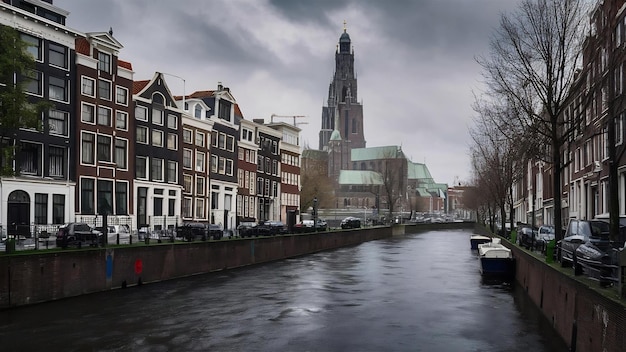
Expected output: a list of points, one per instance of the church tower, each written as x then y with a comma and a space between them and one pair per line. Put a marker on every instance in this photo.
343, 112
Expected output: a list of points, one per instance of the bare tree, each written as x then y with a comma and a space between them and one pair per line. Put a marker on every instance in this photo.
393, 177
532, 63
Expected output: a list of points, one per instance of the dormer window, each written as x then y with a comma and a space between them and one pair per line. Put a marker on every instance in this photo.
224, 110
197, 113
104, 62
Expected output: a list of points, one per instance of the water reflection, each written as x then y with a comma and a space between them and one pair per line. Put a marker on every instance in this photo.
415, 293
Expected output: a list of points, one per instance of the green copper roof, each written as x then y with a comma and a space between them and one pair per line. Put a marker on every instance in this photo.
335, 136
359, 177
374, 153
418, 171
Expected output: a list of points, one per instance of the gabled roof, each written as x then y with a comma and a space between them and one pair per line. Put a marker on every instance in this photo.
360, 177
375, 153
105, 39
138, 86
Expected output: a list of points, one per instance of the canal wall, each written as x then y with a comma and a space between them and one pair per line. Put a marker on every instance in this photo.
587, 317
30, 278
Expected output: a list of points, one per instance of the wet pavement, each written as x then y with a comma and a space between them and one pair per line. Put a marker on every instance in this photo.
421, 292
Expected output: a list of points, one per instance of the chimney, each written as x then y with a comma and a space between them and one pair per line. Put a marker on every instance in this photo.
220, 87
259, 121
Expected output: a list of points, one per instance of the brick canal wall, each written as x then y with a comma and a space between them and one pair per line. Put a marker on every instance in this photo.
51, 275
586, 317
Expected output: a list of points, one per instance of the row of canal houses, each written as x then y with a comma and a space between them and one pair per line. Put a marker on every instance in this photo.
596, 99
130, 149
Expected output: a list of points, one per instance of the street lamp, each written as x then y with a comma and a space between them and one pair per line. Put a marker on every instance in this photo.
315, 213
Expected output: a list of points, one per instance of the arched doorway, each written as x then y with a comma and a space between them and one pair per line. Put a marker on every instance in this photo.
18, 214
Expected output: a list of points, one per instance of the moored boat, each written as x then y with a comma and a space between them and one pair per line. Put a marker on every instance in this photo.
496, 259
475, 240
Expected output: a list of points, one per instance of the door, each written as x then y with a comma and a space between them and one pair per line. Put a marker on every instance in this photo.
18, 214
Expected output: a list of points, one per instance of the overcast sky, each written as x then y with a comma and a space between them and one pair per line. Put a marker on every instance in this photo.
415, 60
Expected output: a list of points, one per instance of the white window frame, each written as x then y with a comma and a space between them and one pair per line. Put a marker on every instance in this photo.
110, 84
119, 89
147, 141
157, 138
83, 79
145, 110
125, 119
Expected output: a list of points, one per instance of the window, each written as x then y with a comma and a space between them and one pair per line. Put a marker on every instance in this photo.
158, 206
187, 136
58, 209
34, 82
157, 138
200, 212
141, 165
222, 141
57, 55
88, 148
197, 111
172, 121
141, 113
240, 154
104, 62
121, 95
121, 120
200, 185
274, 147
187, 158
171, 207
120, 153
41, 208
88, 86
104, 116
200, 160
224, 110
187, 208
105, 197
200, 138
274, 167
259, 186
56, 161
215, 197
214, 138
229, 167
104, 89
172, 171
274, 189
214, 163
87, 194
172, 141
57, 122
221, 167
34, 46
87, 113
267, 188
142, 135
187, 183
157, 169
104, 148
230, 143
157, 116
259, 166
121, 198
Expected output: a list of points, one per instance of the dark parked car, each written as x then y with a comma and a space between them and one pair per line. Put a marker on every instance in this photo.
577, 233
271, 228
527, 237
199, 231
78, 234
247, 229
351, 223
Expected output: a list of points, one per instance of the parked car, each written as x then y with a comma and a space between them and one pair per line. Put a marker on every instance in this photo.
351, 223
577, 233
215, 231
308, 226
545, 234
122, 230
271, 228
527, 236
78, 234
190, 231
247, 229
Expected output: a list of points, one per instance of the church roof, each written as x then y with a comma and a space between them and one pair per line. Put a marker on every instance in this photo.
360, 177
345, 37
418, 171
335, 136
374, 153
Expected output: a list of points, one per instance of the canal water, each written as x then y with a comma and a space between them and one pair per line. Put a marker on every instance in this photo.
419, 292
